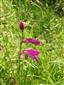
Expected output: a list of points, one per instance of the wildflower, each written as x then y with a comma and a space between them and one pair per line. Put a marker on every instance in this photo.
21, 25
32, 40
31, 53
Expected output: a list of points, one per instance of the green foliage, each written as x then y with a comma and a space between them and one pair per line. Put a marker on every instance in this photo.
41, 22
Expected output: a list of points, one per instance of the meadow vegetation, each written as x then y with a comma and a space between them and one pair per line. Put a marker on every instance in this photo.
44, 20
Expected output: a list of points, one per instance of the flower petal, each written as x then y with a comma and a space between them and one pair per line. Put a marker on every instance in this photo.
22, 56
31, 53
32, 40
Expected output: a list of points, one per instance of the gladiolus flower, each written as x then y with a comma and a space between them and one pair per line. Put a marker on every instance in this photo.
32, 40
31, 53
21, 25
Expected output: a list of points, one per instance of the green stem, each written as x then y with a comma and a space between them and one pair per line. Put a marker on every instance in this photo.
19, 62
25, 75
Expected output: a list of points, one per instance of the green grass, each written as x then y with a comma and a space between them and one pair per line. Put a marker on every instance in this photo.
42, 23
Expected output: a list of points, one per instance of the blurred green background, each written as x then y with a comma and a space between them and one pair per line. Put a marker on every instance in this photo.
44, 21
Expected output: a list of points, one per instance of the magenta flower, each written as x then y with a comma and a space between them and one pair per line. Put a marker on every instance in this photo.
21, 25
31, 53
32, 40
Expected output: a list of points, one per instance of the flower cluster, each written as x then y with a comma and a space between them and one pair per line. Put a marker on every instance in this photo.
29, 51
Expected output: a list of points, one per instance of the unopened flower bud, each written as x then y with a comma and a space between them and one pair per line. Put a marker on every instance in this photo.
21, 25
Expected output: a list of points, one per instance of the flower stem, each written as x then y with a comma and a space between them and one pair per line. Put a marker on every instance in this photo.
25, 78
19, 62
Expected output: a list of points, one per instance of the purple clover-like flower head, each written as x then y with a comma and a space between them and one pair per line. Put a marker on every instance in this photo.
32, 40
21, 25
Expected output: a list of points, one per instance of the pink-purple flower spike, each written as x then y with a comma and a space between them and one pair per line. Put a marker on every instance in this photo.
32, 40
31, 53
